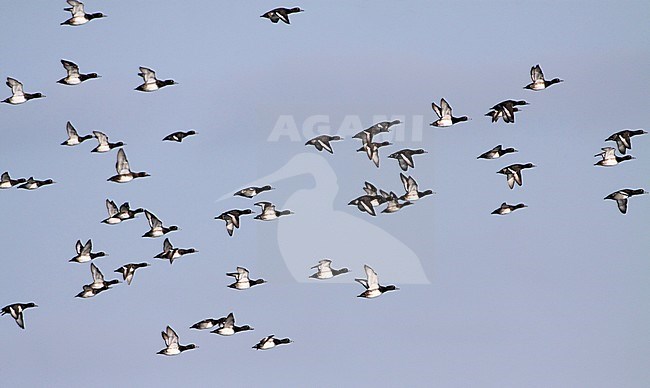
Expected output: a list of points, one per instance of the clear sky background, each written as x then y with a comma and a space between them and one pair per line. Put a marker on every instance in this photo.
552, 295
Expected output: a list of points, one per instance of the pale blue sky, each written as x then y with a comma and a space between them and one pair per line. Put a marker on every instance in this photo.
552, 295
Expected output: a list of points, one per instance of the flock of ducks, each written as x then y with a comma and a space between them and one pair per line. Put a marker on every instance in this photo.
366, 203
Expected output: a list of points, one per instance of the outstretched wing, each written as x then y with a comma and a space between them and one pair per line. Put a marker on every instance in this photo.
70, 67
148, 75
536, 73
122, 165
16, 87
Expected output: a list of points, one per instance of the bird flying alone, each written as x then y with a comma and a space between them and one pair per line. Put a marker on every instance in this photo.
179, 136
270, 342
609, 157
151, 83
79, 16
128, 270
445, 117
496, 152
74, 77
539, 83
513, 173
322, 142
621, 197
123, 169
505, 110
73, 137
507, 209
371, 283
275, 15
623, 139
16, 312
325, 270
18, 96
172, 347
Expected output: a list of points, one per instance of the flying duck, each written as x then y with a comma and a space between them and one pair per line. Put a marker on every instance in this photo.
609, 157
393, 205
507, 209
113, 212
539, 83
73, 137
79, 16
170, 253
124, 173
98, 278
371, 283
157, 228
621, 196
208, 323
6, 182
128, 270
411, 188
16, 312
366, 203
171, 342
179, 136
278, 14
250, 192
151, 83
89, 292
623, 139
506, 110
228, 327
269, 212
372, 150
33, 184
325, 271
323, 142
126, 213
271, 342
405, 157
103, 145
513, 173
84, 253
74, 77
367, 134
242, 281
370, 189
496, 152
18, 96
231, 217
446, 119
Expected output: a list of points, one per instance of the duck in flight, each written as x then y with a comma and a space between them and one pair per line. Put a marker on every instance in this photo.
277, 14
269, 212
496, 152
505, 110
411, 188
539, 83
172, 347
18, 96
393, 204
322, 142
325, 270
623, 139
123, 169
179, 136
103, 145
16, 312
367, 134
73, 137
84, 252
74, 77
6, 182
621, 197
98, 279
371, 283
372, 150
507, 209
242, 281
151, 83
208, 323
79, 16
250, 192
170, 253
405, 157
116, 216
231, 217
609, 157
128, 270
270, 342
445, 117
513, 173
228, 327
156, 226
33, 184
366, 203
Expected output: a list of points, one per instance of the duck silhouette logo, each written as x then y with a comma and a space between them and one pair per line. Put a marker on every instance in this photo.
317, 230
